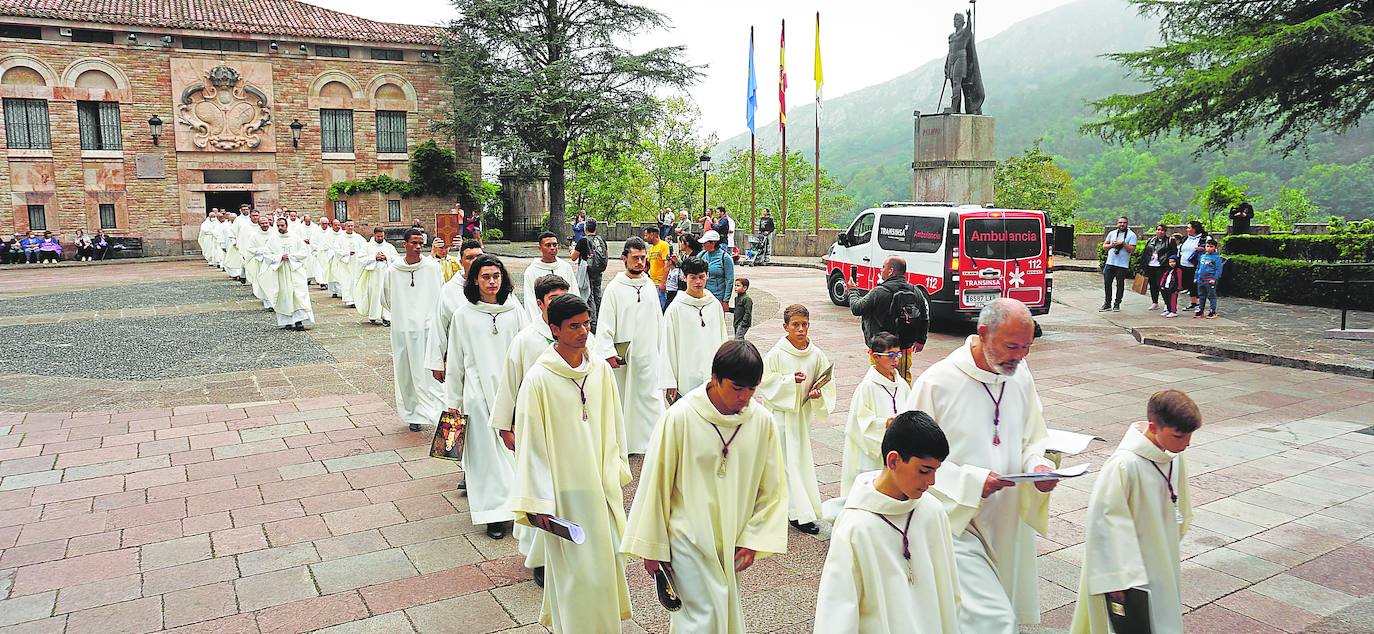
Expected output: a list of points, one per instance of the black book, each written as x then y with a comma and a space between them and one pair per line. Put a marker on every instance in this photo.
1132, 616
667, 589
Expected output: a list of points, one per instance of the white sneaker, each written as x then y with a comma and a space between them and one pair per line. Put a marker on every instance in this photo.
1170, 315
1165, 313
1154, 306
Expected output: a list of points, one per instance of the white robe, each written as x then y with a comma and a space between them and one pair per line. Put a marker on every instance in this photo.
630, 313
473, 376
450, 298
524, 350
244, 233
219, 238
254, 257
206, 240
324, 252
367, 292
290, 292
349, 250
1133, 531
233, 259
875, 400
868, 587
794, 414
688, 512
574, 469
994, 537
537, 269
693, 329
410, 294
312, 234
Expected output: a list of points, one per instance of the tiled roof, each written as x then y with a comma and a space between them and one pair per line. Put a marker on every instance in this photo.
262, 17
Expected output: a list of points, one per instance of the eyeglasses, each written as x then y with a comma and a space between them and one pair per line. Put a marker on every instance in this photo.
889, 355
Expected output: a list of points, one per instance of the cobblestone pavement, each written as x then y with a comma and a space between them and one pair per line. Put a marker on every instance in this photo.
293, 499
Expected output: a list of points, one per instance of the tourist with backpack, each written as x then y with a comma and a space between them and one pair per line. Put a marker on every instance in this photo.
592, 248
894, 306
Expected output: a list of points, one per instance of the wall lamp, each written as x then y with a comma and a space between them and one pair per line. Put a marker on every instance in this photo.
296, 127
155, 128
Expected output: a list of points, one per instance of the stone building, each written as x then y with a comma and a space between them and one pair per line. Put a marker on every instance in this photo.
266, 102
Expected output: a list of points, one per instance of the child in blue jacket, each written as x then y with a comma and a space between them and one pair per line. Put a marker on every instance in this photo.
1207, 276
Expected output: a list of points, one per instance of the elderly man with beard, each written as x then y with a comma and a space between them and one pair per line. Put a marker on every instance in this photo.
988, 407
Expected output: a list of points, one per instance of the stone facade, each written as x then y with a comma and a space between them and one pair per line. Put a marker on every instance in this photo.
159, 190
953, 159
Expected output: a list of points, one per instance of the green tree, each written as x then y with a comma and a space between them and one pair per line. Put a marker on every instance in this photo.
1215, 201
609, 185
530, 78
1226, 69
1291, 207
1033, 181
432, 171
729, 186
670, 151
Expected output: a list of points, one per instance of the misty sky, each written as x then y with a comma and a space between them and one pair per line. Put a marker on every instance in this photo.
863, 42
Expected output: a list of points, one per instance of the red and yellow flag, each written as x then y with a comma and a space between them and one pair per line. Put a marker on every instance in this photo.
782, 77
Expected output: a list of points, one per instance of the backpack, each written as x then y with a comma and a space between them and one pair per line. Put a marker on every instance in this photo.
596, 260
908, 315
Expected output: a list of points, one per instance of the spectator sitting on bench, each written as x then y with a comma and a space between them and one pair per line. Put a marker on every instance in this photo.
30, 247
83, 246
49, 249
10, 250
99, 244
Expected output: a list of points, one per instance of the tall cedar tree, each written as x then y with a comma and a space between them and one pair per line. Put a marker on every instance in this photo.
1229, 68
531, 77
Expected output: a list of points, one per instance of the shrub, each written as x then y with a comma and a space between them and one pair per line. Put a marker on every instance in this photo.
1344, 247
1290, 282
493, 234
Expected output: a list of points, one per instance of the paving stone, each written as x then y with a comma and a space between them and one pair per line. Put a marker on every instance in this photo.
366, 569
1347, 569
301, 529
237, 624
442, 554
199, 604
348, 463
267, 513
238, 540
29, 608
74, 571
33, 553
94, 595
1268, 610
426, 588
130, 617
271, 559
363, 518
273, 432
175, 552
310, 614
304, 470
153, 513
1303, 594
483, 614
223, 501
274, 588
304, 486
191, 575
351, 544
73, 490
390, 623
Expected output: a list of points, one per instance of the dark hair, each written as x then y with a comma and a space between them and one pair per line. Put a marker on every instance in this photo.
693, 266
1162, 226
470, 289
565, 307
414, 232
1172, 408
884, 341
546, 235
1128, 220
1197, 227
795, 310
651, 229
744, 281
634, 243
1211, 241
591, 224
691, 242
375, 229
469, 244
739, 362
914, 434
548, 284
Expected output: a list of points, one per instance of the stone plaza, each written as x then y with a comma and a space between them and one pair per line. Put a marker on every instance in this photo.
170, 461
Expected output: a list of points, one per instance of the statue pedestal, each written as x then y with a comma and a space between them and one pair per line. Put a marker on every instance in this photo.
953, 159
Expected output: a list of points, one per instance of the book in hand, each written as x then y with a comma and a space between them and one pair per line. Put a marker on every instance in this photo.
821, 379
666, 582
1041, 476
562, 528
622, 350
450, 435
1132, 616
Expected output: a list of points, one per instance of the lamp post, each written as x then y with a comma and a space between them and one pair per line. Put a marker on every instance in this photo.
296, 127
155, 128
705, 169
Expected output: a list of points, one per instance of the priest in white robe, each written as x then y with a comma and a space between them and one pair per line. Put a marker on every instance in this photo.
410, 294
548, 263
376, 258
712, 497
1139, 510
311, 233
255, 260
988, 407
233, 259
450, 298
890, 565
219, 240
795, 389
569, 464
328, 261
628, 335
479, 340
243, 238
693, 329
204, 238
286, 270
349, 251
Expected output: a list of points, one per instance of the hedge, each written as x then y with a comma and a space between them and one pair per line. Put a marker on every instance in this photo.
1318, 248
1291, 282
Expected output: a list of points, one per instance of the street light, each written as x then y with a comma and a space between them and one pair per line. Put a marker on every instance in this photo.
705, 168
155, 128
296, 126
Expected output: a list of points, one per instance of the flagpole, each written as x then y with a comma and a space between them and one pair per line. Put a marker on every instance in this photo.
782, 118
753, 220
816, 221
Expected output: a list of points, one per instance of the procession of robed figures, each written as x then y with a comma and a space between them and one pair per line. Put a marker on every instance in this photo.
945, 479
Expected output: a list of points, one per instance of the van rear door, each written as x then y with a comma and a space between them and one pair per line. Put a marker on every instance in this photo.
1002, 255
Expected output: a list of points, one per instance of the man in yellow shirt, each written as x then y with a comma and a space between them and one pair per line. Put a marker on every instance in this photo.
658, 263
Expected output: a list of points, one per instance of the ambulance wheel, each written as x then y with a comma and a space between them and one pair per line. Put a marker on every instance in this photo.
839, 293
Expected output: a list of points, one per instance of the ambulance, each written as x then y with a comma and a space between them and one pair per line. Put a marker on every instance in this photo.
960, 257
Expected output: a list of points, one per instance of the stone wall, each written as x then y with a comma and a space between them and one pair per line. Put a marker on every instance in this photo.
163, 202
1085, 244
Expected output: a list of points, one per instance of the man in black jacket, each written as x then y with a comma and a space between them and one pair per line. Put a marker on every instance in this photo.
877, 313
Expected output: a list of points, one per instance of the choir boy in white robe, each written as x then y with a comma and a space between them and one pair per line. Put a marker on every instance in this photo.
882, 394
711, 497
450, 298
569, 464
287, 255
630, 314
348, 262
1139, 510
367, 292
989, 409
693, 329
255, 259
525, 349
548, 263
410, 294
890, 566
479, 339
790, 373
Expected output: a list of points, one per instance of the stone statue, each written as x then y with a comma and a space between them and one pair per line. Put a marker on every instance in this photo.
961, 68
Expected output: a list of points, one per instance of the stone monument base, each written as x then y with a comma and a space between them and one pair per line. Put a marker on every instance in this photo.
953, 159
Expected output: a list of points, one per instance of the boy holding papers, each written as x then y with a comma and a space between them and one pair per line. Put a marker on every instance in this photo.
891, 562
569, 464
1138, 511
711, 496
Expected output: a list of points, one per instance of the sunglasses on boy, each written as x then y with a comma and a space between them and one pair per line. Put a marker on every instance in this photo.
889, 355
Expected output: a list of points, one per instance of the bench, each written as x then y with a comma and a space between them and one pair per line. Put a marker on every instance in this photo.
1344, 288
124, 248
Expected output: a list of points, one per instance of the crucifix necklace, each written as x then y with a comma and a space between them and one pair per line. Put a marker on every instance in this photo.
906, 543
996, 411
724, 447
582, 392
493, 324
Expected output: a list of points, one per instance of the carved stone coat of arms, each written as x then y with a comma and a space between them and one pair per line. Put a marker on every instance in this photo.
224, 112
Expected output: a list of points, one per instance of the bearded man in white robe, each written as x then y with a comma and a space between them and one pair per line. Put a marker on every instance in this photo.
285, 273
255, 259
367, 292
348, 261
988, 406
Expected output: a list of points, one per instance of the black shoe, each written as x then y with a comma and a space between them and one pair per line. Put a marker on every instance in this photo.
334, 295
1105, 308
372, 321
414, 427
809, 528
386, 323
539, 576
1116, 308
463, 484
243, 280
300, 326
498, 530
